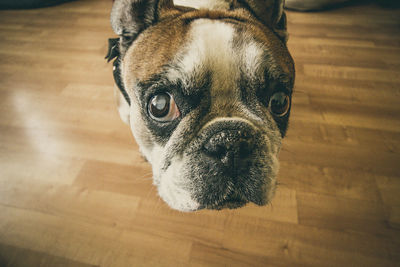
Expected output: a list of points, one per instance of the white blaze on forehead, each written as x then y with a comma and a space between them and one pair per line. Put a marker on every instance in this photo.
209, 4
211, 49
252, 55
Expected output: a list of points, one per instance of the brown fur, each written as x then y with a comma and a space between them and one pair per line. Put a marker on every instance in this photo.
158, 45
153, 49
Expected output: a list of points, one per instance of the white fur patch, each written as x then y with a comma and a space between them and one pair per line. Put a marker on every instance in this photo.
209, 4
172, 184
210, 48
211, 45
156, 157
172, 188
252, 54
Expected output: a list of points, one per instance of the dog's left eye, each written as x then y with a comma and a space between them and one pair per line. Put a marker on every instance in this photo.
162, 107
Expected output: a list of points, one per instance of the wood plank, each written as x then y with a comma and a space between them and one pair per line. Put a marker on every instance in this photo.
75, 190
309, 246
88, 243
11, 256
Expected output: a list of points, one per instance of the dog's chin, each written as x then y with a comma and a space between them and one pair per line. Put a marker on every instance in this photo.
203, 187
235, 201
182, 199
231, 202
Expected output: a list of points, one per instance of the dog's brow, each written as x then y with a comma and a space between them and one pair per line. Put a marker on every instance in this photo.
156, 80
280, 76
196, 83
283, 81
161, 82
276, 76
193, 84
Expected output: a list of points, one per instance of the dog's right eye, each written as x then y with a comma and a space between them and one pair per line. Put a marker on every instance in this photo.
279, 104
162, 108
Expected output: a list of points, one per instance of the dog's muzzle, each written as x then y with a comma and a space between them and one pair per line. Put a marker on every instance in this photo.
230, 148
228, 165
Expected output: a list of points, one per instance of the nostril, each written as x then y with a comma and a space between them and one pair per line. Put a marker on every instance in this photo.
228, 147
220, 153
215, 150
245, 149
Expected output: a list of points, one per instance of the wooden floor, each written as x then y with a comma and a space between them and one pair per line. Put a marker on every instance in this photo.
74, 190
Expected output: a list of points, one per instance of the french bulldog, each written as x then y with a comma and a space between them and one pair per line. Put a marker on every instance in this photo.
206, 89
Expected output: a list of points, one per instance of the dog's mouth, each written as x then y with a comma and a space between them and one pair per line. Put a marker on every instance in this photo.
232, 201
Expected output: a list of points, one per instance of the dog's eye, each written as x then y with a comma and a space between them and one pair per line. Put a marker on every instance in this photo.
279, 104
162, 107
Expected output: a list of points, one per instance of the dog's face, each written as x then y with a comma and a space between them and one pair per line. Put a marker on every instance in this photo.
210, 98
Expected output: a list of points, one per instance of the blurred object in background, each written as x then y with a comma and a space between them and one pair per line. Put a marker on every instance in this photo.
27, 4
315, 5
310, 5
389, 3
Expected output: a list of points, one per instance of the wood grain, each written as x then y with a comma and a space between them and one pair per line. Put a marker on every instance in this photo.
75, 191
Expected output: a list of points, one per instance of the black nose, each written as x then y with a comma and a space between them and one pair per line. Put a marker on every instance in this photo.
230, 147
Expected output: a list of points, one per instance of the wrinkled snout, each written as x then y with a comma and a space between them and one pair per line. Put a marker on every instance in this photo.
230, 147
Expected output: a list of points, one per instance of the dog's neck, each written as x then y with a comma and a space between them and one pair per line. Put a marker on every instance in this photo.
208, 4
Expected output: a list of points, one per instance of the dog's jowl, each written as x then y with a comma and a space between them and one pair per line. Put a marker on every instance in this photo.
206, 88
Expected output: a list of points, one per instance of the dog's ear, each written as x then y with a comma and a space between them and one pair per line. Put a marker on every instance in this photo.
269, 12
130, 17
